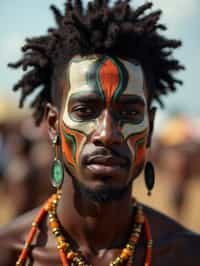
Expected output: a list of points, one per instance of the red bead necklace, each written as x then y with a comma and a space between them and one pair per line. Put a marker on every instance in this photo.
66, 253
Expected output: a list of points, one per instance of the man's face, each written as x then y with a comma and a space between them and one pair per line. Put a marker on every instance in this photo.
105, 122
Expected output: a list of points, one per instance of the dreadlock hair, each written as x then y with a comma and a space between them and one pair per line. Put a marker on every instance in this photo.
101, 28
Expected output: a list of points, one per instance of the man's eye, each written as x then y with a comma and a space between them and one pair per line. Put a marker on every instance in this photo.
83, 110
83, 113
131, 116
129, 113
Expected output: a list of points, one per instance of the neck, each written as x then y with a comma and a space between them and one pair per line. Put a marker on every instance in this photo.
94, 225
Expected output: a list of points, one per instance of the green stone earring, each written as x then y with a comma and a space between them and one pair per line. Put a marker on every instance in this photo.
57, 172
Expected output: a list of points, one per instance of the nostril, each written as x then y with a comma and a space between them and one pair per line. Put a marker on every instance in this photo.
98, 142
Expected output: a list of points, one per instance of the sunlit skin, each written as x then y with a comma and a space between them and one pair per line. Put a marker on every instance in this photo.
105, 124
105, 118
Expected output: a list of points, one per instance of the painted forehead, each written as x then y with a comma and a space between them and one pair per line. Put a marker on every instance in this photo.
106, 76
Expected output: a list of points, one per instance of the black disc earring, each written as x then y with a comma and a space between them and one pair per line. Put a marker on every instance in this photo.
149, 176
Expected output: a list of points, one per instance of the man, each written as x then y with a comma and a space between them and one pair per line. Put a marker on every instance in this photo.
99, 71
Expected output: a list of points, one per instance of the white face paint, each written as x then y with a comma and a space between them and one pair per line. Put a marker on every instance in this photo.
135, 86
78, 71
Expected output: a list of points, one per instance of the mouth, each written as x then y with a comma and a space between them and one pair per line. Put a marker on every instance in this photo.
107, 160
106, 165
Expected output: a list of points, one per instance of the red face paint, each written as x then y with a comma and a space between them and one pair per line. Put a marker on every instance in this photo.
109, 78
138, 147
71, 144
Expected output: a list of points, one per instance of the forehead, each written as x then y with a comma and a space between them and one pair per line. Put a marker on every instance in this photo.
109, 75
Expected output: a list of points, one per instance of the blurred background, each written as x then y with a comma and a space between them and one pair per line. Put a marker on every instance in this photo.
25, 151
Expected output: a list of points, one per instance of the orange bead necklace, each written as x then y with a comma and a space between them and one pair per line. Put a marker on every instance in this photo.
68, 256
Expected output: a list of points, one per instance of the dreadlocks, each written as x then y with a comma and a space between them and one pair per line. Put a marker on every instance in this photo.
99, 28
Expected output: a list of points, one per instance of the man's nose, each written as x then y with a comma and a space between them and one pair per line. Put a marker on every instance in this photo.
108, 132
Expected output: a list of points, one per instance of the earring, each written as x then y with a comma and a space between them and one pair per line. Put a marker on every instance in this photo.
57, 172
149, 176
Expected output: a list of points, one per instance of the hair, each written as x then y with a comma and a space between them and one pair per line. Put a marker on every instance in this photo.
118, 30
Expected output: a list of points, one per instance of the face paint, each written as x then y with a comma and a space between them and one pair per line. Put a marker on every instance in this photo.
111, 79
136, 134
107, 78
71, 145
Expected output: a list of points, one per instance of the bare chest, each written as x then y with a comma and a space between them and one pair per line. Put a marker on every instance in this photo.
44, 257
163, 255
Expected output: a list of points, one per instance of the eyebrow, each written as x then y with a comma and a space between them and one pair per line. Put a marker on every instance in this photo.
132, 99
87, 96
84, 96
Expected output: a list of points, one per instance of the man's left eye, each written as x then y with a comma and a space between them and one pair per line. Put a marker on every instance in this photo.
129, 113
131, 116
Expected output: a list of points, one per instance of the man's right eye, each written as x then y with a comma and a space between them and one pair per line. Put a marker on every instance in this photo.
83, 112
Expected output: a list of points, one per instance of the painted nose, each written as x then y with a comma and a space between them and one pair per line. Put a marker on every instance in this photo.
107, 133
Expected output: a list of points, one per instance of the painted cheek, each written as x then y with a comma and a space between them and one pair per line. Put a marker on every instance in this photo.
137, 144
84, 128
72, 142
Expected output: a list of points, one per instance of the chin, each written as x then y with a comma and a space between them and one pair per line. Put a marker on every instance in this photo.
102, 189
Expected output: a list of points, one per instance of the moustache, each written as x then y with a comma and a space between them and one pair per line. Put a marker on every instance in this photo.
105, 156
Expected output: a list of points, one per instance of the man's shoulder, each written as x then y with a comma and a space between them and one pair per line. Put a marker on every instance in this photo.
12, 237
15, 230
163, 224
180, 245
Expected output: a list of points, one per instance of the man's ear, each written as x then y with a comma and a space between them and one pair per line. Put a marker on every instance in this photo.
52, 118
152, 112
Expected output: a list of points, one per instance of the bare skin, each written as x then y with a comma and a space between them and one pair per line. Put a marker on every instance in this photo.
100, 229
173, 244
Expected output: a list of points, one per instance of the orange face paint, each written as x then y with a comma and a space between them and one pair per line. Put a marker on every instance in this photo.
71, 144
138, 146
108, 78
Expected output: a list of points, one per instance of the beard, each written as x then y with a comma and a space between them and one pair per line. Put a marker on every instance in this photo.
103, 193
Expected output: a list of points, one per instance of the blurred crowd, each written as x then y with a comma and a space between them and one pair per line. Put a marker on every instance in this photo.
26, 156
176, 153
24, 165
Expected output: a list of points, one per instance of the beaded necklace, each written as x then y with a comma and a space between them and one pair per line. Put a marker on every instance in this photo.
70, 257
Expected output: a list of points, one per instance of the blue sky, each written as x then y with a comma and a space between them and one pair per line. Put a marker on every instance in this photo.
21, 18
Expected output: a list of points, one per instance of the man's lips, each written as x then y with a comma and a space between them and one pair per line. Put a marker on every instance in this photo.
106, 160
105, 163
